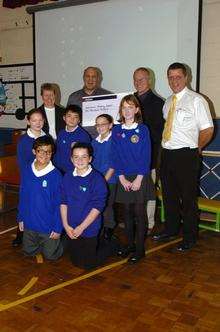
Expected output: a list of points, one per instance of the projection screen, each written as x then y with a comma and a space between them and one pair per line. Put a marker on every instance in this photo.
117, 36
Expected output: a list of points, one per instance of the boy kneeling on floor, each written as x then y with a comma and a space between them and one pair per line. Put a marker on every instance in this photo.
84, 194
39, 203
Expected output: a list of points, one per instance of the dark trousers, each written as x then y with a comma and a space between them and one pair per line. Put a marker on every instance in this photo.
35, 243
136, 223
179, 179
109, 213
90, 252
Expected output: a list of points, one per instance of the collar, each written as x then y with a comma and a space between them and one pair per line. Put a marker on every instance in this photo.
89, 170
180, 94
143, 95
133, 126
98, 139
71, 131
30, 134
49, 109
43, 171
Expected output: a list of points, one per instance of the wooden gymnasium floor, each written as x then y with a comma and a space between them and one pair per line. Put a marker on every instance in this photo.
165, 292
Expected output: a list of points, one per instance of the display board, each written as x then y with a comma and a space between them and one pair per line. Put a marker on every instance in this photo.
19, 85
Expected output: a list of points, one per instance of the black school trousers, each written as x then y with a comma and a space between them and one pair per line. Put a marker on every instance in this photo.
179, 178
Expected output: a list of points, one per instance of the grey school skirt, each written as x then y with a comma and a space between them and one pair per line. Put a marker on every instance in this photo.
144, 194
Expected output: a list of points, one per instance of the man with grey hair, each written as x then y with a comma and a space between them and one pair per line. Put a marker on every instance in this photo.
151, 109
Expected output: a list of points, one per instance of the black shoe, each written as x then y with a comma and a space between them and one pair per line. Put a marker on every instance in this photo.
18, 240
124, 252
135, 258
185, 246
107, 234
163, 237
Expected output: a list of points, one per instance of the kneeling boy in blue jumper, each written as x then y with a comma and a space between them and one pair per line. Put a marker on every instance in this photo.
39, 203
84, 194
68, 137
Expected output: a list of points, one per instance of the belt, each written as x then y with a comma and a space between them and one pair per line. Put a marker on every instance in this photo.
180, 149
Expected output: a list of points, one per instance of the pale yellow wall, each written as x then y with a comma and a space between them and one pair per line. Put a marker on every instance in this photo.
210, 55
16, 36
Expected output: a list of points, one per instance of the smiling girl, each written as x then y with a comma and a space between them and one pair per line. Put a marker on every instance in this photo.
131, 150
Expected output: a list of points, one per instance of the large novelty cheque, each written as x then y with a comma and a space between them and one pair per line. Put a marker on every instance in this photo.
95, 105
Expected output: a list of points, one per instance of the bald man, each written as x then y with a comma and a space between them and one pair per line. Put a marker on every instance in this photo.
92, 78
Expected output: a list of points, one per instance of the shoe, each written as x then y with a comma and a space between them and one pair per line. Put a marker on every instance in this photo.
18, 240
163, 237
185, 246
135, 258
107, 234
124, 252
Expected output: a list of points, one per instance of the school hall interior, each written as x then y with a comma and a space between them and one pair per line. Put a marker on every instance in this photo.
167, 290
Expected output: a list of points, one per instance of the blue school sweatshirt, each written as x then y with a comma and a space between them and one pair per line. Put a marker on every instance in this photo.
39, 201
81, 195
102, 156
24, 150
65, 140
131, 150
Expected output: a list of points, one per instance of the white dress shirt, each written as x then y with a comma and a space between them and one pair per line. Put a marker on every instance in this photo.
192, 115
50, 112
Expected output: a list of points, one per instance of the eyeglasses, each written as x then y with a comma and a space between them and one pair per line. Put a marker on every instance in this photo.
102, 125
42, 152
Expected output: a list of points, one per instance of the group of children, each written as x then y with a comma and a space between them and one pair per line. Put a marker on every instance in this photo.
74, 185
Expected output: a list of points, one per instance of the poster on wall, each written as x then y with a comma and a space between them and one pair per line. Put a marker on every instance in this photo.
18, 86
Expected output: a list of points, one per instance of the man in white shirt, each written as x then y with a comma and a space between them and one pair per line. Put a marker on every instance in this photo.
187, 130
52, 113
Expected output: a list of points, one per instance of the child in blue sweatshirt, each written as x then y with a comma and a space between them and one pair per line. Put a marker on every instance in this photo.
131, 151
39, 203
35, 122
101, 162
68, 137
84, 194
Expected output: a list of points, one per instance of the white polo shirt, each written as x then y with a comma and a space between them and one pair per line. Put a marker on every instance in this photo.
192, 115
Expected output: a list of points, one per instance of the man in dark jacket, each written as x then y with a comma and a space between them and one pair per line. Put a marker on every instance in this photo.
151, 107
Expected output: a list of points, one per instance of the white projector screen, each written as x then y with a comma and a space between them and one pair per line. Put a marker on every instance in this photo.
117, 36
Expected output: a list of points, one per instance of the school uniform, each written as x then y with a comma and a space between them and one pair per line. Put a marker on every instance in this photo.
81, 194
131, 156
65, 140
24, 149
39, 209
101, 162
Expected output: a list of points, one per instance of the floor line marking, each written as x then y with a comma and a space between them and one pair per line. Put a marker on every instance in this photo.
77, 279
8, 230
39, 259
28, 286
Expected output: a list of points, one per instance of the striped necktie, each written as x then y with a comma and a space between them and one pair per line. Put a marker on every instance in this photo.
169, 122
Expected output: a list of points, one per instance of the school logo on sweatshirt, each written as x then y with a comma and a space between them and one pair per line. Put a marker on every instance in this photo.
44, 183
81, 188
134, 138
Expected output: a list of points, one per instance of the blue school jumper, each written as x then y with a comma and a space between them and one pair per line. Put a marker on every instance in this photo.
102, 156
24, 150
131, 150
81, 194
39, 200
65, 140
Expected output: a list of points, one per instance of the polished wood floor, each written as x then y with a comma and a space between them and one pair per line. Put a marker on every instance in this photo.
166, 291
